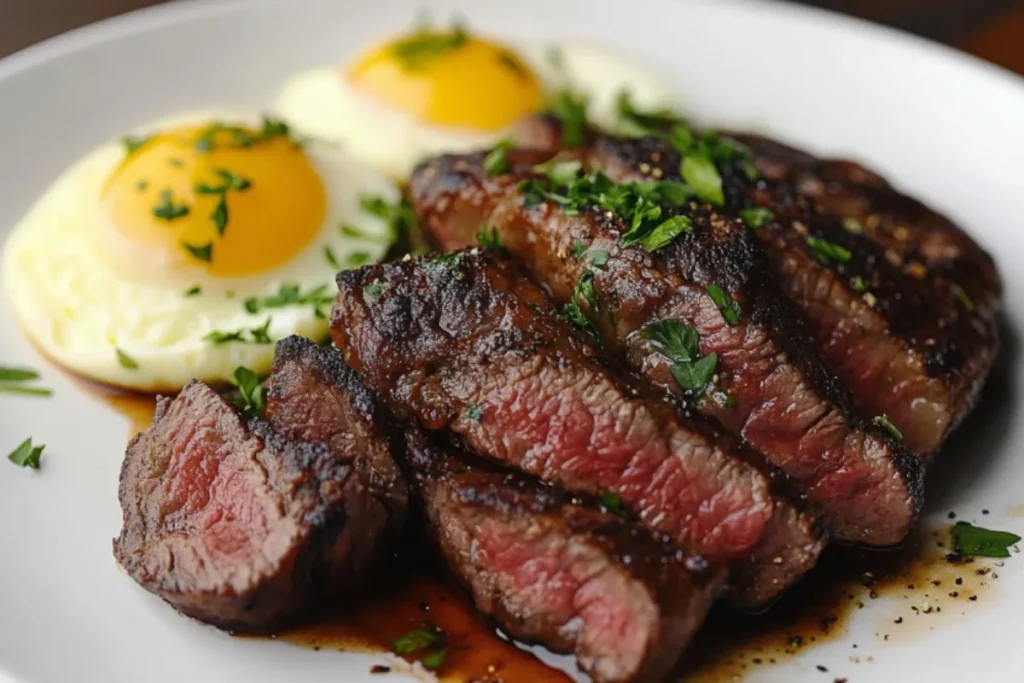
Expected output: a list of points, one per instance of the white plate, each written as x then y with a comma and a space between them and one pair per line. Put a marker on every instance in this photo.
942, 125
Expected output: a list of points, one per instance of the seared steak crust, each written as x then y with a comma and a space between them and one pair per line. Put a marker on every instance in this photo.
894, 320
312, 396
552, 570
230, 524
785, 402
466, 342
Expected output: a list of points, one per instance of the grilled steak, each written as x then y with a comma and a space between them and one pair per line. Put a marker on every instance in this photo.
238, 526
465, 341
770, 385
906, 315
313, 397
554, 571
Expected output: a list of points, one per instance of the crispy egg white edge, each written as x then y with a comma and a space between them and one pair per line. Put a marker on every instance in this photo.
76, 312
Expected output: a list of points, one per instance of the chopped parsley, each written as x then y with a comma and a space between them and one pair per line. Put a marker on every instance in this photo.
167, 210
133, 143
399, 216
885, 423
639, 204
448, 260
858, 284
636, 123
757, 218
126, 361
219, 217
511, 62
27, 455
331, 259
229, 182
598, 257
579, 248
200, 252
427, 43
256, 335
357, 258
372, 292
496, 161
474, 413
490, 239
828, 252
666, 232
612, 503
353, 232
12, 381
729, 308
975, 541
428, 642
195, 290
680, 343
251, 399
290, 294
574, 314
700, 173
570, 108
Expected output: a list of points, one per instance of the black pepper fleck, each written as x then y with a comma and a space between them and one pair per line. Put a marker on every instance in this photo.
822, 669
380, 669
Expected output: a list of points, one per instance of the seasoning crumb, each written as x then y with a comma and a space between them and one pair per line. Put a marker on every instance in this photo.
952, 515
822, 669
973, 598
898, 620
380, 669
959, 581
841, 680
984, 512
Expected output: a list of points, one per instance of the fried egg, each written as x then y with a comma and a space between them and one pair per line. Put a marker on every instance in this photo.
435, 91
184, 252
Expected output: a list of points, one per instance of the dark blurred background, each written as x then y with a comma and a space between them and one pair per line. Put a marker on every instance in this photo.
991, 29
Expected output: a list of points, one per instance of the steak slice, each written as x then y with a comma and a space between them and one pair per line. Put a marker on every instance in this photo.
551, 570
312, 396
243, 528
890, 314
770, 387
466, 342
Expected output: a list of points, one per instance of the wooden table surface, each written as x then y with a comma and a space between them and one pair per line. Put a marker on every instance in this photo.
992, 29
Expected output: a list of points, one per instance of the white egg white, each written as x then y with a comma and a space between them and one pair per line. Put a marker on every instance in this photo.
324, 104
77, 311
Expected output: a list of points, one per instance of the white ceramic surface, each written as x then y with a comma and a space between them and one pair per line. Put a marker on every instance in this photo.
942, 125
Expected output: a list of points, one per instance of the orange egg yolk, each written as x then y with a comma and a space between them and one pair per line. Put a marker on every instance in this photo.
235, 201
450, 79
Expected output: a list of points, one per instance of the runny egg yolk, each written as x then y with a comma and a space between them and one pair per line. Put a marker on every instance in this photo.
235, 201
450, 79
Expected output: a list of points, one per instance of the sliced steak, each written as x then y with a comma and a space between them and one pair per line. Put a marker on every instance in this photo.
551, 570
887, 309
312, 396
465, 341
771, 386
243, 528
908, 321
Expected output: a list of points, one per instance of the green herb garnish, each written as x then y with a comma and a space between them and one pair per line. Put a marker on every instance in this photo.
975, 541
195, 290
496, 161
828, 252
612, 502
219, 216
490, 239
399, 216
251, 400
598, 258
372, 292
884, 422
167, 210
853, 226
574, 314
511, 62
133, 143
290, 294
961, 296
229, 182
256, 335
427, 43
415, 641
635, 122
666, 232
859, 284
200, 252
12, 381
474, 413
27, 455
757, 218
357, 258
17, 374
730, 309
700, 173
579, 248
680, 343
570, 108
331, 259
126, 361
435, 660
